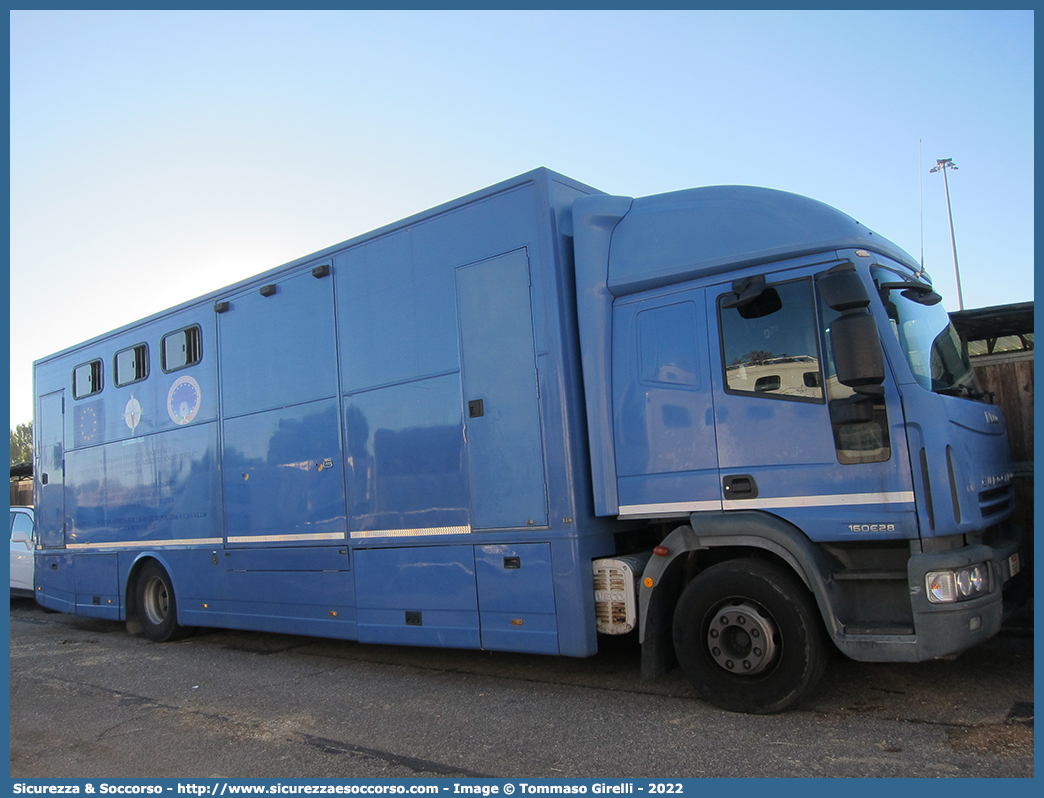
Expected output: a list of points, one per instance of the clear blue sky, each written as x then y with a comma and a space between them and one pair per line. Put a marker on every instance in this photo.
156, 156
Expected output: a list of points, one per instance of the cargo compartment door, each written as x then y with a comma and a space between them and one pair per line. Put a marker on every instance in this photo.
50, 471
282, 464
501, 395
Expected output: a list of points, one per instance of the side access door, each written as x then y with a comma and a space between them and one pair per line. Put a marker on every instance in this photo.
50, 471
53, 565
501, 393
286, 561
283, 467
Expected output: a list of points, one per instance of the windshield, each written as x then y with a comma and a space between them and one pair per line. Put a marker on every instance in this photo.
937, 357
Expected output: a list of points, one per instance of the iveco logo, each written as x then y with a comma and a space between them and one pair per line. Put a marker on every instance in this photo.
992, 418
995, 481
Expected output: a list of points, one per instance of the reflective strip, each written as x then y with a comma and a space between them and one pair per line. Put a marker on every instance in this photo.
833, 500
410, 533
681, 509
147, 544
285, 538
671, 509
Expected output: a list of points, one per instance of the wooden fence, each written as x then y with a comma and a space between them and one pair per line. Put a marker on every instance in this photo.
21, 491
1009, 377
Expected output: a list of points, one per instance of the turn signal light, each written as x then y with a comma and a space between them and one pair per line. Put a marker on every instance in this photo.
944, 587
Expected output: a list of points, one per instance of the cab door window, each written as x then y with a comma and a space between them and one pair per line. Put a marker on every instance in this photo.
770, 345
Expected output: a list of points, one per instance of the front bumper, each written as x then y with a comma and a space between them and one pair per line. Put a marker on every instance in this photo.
941, 630
945, 629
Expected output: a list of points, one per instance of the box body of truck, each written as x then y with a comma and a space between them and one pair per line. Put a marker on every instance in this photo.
378, 442
534, 413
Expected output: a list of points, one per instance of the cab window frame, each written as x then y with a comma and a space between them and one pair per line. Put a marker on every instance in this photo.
812, 336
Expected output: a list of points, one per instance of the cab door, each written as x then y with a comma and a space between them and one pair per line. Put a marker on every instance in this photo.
791, 439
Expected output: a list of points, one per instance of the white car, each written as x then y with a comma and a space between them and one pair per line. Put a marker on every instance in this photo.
23, 550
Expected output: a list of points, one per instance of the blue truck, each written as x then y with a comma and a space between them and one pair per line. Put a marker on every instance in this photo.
731, 421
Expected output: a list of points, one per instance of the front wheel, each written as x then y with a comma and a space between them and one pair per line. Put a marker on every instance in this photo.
748, 635
157, 607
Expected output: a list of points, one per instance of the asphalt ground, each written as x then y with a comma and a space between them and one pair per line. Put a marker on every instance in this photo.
90, 701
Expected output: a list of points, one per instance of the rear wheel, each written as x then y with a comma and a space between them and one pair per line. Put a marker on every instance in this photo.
156, 605
749, 637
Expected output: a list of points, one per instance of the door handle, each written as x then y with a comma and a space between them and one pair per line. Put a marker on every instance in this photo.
740, 486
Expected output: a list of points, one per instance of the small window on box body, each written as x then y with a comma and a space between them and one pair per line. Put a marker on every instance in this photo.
87, 379
131, 365
182, 348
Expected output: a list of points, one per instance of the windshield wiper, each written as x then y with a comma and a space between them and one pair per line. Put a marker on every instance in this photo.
964, 390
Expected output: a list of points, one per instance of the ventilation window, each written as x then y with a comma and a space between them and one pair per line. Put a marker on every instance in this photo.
667, 351
87, 379
131, 365
182, 349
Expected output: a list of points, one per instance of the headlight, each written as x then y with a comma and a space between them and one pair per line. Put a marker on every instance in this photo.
978, 579
944, 587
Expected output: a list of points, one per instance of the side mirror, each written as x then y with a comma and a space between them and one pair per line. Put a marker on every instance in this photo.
915, 292
854, 340
856, 347
21, 536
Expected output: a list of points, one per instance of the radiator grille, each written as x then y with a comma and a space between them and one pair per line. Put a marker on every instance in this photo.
997, 500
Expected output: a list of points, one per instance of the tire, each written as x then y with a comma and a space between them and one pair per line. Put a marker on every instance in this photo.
157, 608
722, 616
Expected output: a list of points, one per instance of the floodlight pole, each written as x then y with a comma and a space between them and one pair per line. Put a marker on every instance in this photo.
942, 165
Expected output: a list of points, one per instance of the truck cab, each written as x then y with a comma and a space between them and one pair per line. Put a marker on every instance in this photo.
777, 391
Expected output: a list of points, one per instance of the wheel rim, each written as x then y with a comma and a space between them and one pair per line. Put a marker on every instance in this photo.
156, 600
742, 638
